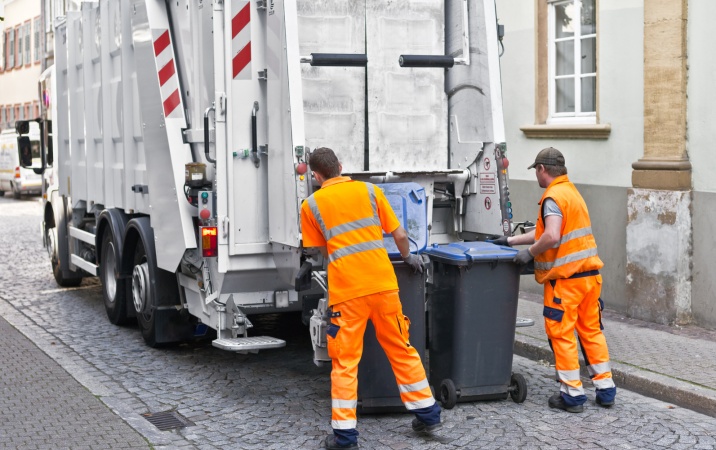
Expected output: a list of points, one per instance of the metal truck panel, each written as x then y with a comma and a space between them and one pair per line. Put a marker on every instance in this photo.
285, 115
248, 185
476, 121
93, 126
163, 120
76, 179
334, 97
407, 122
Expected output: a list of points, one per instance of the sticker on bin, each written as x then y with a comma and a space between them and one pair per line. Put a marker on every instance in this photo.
409, 203
463, 253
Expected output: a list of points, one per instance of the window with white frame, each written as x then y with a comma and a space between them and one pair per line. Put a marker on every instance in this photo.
572, 61
38, 45
10, 63
3, 49
28, 47
19, 40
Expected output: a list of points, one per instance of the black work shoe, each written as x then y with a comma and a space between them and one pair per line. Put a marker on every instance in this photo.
422, 427
331, 444
605, 404
556, 401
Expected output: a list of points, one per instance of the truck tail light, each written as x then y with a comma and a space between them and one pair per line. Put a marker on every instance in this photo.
208, 241
17, 172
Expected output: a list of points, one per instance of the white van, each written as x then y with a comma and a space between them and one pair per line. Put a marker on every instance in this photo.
14, 178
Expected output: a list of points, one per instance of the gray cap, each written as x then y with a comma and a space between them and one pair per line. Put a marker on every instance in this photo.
549, 156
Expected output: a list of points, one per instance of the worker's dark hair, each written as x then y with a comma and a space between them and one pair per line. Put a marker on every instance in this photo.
325, 162
555, 171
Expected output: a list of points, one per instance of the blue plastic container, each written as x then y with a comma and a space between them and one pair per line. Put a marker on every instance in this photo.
410, 205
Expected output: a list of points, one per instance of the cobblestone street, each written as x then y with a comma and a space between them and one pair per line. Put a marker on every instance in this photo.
276, 399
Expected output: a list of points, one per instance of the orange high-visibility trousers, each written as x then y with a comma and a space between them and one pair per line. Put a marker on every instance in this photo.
345, 347
569, 304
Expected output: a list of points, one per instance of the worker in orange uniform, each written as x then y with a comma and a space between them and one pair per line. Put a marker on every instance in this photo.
566, 263
346, 220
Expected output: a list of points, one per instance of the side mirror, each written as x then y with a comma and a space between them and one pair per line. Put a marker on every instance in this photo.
22, 127
29, 153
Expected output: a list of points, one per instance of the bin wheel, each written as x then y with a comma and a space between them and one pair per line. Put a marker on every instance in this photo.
448, 394
518, 388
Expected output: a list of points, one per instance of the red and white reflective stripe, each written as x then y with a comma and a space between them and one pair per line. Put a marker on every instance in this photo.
241, 40
166, 70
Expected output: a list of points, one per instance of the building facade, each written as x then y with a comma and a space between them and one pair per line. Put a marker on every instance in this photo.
623, 88
22, 45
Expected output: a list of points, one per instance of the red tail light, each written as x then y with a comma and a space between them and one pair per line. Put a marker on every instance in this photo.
208, 241
17, 172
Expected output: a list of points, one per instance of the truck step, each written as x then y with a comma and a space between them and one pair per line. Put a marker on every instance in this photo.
248, 344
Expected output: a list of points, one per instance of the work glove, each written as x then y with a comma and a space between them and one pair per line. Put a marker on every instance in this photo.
502, 240
523, 257
415, 262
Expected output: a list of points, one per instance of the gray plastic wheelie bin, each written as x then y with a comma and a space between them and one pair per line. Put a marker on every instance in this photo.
472, 311
377, 388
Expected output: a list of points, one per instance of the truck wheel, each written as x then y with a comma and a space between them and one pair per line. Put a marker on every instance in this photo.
113, 290
144, 295
51, 237
2, 193
16, 194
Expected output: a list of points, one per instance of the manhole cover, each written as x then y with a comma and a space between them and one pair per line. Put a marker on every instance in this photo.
168, 420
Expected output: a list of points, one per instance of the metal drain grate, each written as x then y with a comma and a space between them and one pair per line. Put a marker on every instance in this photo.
168, 420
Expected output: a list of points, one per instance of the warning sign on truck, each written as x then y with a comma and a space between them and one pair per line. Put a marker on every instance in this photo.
488, 183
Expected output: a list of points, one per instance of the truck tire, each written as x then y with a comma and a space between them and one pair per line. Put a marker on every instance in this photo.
144, 294
55, 261
114, 290
2, 193
16, 194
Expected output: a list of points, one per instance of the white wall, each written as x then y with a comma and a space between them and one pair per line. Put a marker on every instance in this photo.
701, 114
620, 67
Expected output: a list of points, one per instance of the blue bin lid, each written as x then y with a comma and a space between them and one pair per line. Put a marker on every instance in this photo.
409, 203
463, 253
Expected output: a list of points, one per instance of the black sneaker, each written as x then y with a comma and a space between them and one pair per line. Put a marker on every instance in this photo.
608, 404
556, 401
331, 444
422, 427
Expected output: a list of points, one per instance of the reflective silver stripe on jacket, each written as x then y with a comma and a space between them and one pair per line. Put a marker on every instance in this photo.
356, 248
349, 226
343, 424
420, 404
586, 231
578, 256
313, 206
344, 404
419, 386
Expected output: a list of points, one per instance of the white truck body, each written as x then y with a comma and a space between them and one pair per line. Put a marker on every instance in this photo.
135, 81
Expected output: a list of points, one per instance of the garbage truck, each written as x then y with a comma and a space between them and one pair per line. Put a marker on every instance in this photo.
175, 137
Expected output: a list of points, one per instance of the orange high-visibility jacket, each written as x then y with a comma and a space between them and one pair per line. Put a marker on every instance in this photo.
348, 218
576, 251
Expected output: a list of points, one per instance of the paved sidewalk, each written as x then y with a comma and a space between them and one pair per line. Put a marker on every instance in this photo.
672, 364
43, 406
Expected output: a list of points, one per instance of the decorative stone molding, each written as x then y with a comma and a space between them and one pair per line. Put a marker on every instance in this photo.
554, 131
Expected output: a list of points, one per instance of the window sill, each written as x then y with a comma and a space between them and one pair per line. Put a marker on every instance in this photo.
560, 131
